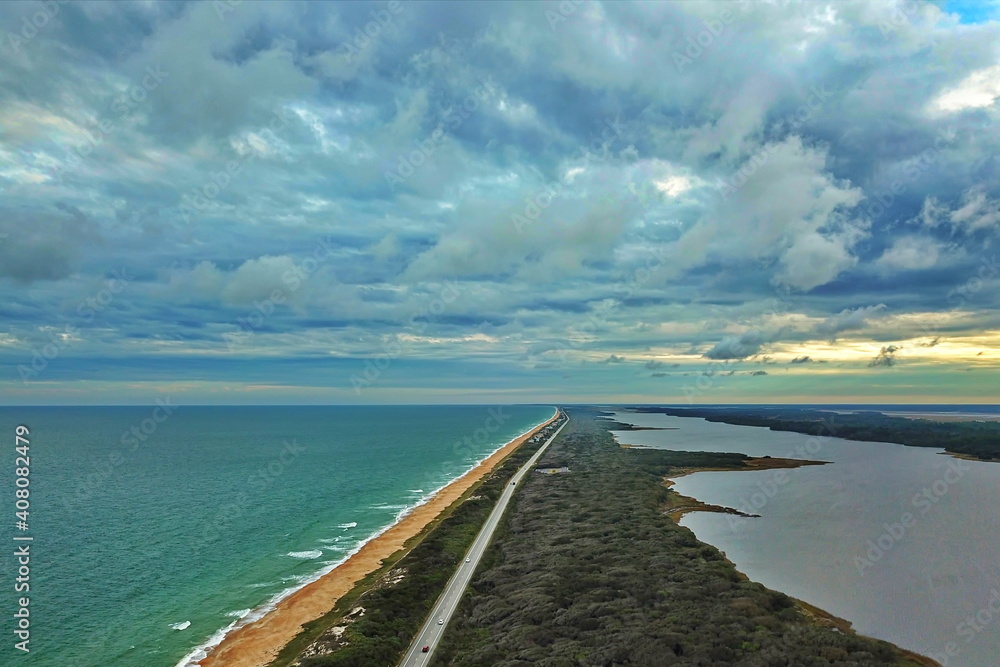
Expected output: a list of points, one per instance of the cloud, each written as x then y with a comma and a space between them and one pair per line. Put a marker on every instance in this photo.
980, 89
885, 357
802, 360
849, 319
613, 359
789, 209
667, 209
815, 260
386, 248
45, 246
737, 347
910, 253
757, 373
256, 279
204, 281
975, 211
978, 211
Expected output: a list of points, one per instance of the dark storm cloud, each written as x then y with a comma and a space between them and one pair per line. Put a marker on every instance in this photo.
885, 357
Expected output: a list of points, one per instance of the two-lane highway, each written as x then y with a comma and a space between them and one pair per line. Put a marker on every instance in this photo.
433, 629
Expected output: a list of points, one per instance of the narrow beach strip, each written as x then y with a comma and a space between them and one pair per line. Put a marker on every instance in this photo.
258, 643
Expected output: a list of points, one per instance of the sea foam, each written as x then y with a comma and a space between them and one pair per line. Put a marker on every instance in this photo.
201, 651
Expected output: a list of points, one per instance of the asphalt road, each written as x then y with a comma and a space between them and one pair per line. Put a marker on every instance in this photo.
430, 634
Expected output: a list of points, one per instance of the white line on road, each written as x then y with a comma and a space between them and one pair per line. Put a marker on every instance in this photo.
432, 631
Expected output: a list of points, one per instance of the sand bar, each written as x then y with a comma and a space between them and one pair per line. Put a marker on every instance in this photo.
257, 643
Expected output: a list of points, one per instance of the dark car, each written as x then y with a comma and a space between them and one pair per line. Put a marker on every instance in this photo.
425, 649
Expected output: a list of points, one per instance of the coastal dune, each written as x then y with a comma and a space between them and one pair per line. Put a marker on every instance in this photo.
258, 643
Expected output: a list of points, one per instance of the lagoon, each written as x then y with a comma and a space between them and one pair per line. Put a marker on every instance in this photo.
901, 541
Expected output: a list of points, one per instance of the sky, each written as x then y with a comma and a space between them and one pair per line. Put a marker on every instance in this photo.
331, 203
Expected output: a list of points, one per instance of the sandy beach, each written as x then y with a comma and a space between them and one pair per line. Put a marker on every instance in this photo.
257, 643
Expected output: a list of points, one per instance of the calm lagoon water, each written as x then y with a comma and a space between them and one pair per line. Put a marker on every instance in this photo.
145, 550
834, 535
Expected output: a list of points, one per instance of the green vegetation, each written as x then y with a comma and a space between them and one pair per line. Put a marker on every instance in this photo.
587, 570
398, 597
979, 440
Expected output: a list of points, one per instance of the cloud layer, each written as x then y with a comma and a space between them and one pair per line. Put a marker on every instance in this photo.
368, 202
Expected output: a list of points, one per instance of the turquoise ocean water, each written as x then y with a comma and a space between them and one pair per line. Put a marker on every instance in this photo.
151, 538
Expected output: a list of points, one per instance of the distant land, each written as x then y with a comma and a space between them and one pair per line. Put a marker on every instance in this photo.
976, 436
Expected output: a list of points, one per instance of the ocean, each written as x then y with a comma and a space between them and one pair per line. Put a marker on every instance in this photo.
901, 541
157, 529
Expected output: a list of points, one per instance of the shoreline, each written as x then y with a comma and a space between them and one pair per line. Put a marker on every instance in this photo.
822, 617
968, 457
257, 643
682, 505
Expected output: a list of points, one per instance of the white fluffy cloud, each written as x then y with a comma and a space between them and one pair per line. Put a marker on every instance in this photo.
975, 211
980, 89
910, 253
782, 205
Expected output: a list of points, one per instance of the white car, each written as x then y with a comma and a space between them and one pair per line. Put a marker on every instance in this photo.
468, 560
440, 621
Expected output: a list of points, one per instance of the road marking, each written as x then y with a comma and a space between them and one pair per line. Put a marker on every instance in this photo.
431, 632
